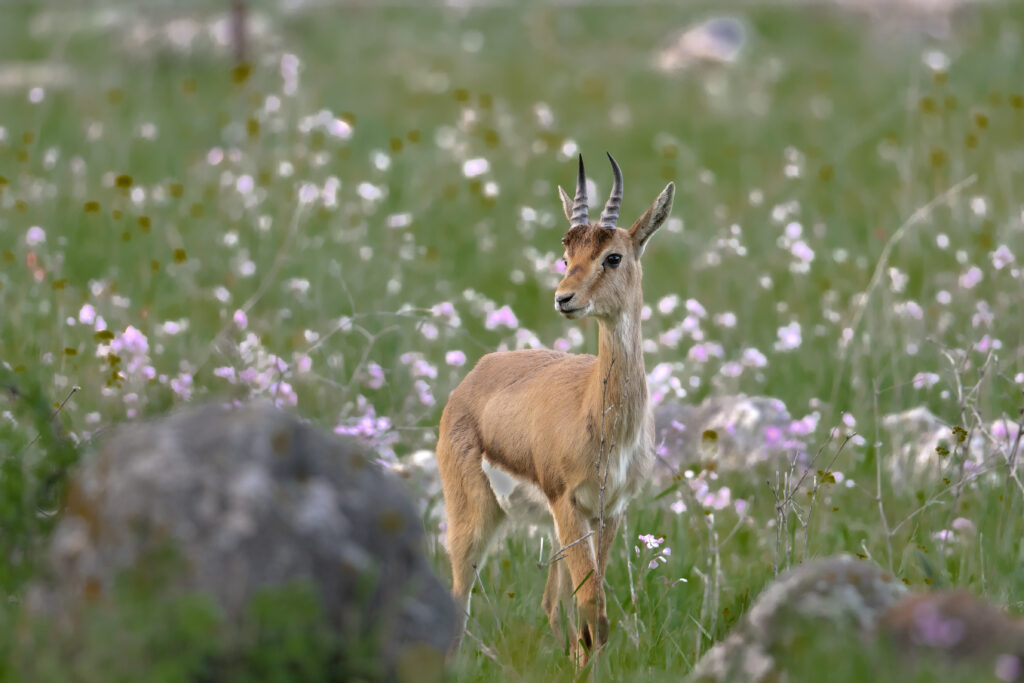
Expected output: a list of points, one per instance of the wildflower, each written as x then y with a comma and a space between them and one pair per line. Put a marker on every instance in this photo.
444, 309
369, 191
964, 526
718, 500
693, 307
802, 252
662, 557
424, 393
924, 380
1001, 257
986, 343
240, 319
971, 278
182, 386
87, 314
502, 316
35, 236
283, 394
375, 375
732, 369
422, 368
455, 358
660, 373
226, 372
726, 319
668, 304
805, 425
475, 167
131, 341
340, 129
651, 541
429, 331
897, 280
789, 337
753, 358
400, 220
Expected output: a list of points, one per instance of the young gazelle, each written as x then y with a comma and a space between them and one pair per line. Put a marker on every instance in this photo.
541, 435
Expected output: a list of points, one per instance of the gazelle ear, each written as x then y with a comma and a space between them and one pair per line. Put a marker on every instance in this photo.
652, 219
566, 203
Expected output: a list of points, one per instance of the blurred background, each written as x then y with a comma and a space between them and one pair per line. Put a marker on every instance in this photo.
340, 206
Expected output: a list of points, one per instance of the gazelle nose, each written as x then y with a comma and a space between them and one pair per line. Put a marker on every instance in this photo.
564, 298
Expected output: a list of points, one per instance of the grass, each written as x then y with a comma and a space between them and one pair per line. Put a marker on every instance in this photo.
170, 191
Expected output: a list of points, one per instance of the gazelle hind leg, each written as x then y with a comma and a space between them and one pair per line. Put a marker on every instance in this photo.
473, 518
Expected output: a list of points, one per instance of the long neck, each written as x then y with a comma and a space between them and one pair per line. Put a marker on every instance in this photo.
618, 385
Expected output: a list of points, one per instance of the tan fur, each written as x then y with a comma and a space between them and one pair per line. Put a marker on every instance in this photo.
537, 415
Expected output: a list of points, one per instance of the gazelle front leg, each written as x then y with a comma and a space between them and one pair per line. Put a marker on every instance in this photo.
611, 527
557, 596
578, 545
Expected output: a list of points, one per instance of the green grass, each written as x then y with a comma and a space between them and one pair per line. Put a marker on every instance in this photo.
875, 135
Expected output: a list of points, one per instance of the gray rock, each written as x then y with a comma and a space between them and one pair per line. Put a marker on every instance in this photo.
874, 615
747, 430
836, 593
250, 498
718, 40
916, 435
959, 627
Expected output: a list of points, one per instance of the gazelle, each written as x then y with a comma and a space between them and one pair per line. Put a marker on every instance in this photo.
541, 435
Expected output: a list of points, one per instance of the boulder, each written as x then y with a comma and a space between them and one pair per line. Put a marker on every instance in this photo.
956, 626
733, 431
925, 448
846, 612
835, 593
249, 499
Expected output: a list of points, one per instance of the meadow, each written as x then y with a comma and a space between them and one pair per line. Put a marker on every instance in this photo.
349, 221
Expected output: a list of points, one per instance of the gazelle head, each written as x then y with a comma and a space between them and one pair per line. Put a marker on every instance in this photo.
602, 261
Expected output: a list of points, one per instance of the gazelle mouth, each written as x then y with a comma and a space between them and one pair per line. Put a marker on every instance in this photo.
573, 312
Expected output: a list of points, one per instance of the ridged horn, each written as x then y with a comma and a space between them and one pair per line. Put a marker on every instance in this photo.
610, 215
579, 207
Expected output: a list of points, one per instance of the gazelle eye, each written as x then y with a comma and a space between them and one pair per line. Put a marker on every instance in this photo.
613, 260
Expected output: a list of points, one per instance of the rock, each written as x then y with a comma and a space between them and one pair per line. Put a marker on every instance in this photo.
718, 40
22, 76
917, 439
872, 616
419, 473
957, 627
936, 18
828, 594
152, 33
747, 430
249, 499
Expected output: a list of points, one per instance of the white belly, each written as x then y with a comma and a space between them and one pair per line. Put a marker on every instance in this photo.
619, 486
522, 500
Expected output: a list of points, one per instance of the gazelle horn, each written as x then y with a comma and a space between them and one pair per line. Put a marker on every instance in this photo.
579, 207
610, 215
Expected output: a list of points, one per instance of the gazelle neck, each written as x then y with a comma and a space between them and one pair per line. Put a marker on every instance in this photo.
619, 382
